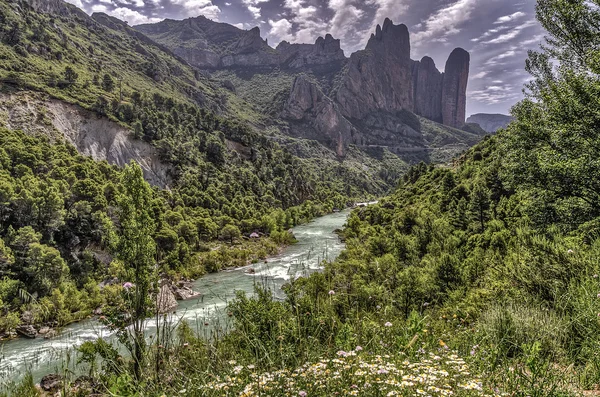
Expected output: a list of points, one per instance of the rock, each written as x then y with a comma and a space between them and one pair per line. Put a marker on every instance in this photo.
50, 334
251, 271
165, 300
27, 317
44, 330
307, 102
380, 77
325, 51
98, 312
454, 91
27, 331
51, 383
427, 82
185, 293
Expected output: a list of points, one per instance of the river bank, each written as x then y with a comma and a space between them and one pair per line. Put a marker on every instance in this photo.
316, 242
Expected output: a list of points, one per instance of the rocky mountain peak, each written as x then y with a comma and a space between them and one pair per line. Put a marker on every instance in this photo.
454, 93
391, 40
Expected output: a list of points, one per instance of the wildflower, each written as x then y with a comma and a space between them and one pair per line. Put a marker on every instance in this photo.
358, 348
598, 295
388, 324
302, 393
332, 292
128, 285
251, 366
595, 276
378, 307
569, 251
232, 362
342, 353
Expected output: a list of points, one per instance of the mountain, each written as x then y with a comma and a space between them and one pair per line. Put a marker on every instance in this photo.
490, 122
375, 98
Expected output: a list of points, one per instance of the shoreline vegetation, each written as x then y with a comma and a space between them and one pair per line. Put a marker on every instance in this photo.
253, 249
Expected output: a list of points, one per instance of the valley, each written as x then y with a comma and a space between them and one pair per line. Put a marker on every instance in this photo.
167, 153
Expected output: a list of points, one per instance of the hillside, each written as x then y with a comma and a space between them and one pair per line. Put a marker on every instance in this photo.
490, 122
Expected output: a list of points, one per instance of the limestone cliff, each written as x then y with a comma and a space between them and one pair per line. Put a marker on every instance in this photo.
308, 103
454, 90
380, 77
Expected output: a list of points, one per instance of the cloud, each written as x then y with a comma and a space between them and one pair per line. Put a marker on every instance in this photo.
131, 16
346, 21
281, 29
445, 22
299, 23
515, 32
75, 3
510, 18
251, 5
199, 7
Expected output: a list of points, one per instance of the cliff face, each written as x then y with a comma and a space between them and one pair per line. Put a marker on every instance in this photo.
307, 103
454, 91
380, 77
427, 82
296, 56
382, 82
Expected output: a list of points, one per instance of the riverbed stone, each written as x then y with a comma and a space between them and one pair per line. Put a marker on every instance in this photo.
51, 382
165, 300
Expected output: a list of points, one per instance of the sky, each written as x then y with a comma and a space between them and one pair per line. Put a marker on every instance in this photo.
497, 33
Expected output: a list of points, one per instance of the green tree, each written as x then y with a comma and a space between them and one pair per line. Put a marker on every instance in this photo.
45, 267
479, 206
70, 75
136, 249
108, 84
552, 147
230, 233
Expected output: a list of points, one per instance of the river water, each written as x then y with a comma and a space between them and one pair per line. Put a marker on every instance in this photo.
316, 242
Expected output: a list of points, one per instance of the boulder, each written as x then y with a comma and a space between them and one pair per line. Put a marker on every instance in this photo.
185, 293
165, 300
44, 330
51, 383
50, 334
27, 331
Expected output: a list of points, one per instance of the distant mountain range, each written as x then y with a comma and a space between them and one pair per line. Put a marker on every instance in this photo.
490, 122
376, 98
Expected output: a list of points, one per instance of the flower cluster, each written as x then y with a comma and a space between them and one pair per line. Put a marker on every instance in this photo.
354, 373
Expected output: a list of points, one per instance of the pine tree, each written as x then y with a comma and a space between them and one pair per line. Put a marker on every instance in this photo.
479, 206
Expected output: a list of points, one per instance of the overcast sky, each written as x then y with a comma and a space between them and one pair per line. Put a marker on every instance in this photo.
497, 33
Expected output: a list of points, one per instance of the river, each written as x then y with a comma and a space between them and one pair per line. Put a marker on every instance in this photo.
316, 242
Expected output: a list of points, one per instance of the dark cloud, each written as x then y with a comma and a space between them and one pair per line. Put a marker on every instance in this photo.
497, 33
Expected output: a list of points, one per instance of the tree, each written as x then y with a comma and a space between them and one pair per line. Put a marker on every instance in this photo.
45, 267
71, 75
552, 148
136, 249
230, 232
480, 204
108, 84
